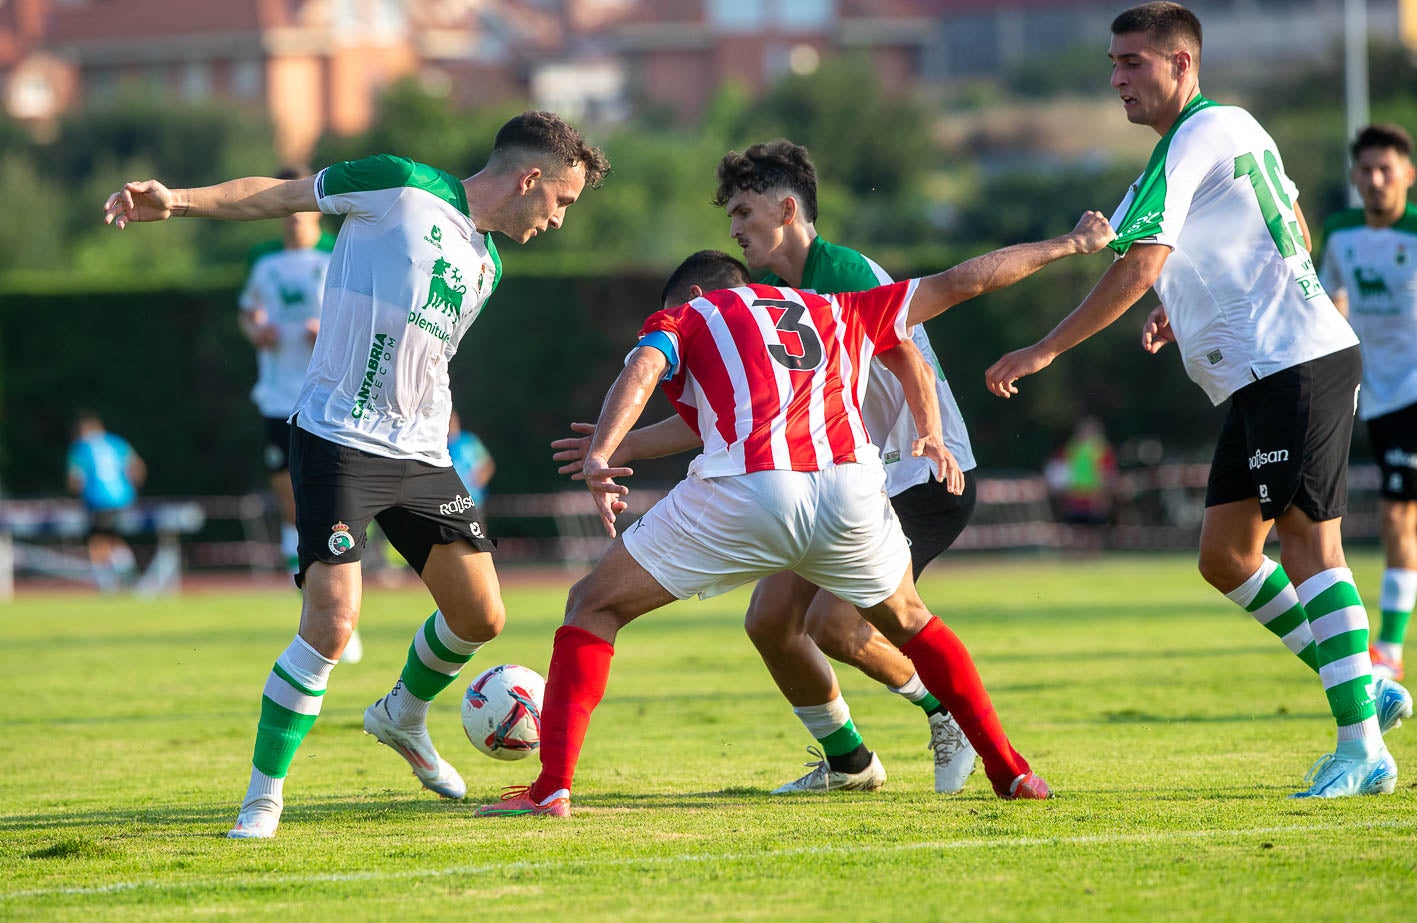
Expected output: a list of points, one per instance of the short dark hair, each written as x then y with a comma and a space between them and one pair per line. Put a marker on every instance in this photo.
1382, 135
776, 164
1167, 24
293, 171
544, 133
710, 270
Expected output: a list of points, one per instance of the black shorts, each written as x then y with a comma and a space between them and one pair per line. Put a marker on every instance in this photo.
1286, 439
1394, 439
104, 522
276, 454
339, 489
932, 518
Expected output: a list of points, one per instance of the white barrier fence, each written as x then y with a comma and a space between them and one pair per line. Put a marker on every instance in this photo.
1154, 508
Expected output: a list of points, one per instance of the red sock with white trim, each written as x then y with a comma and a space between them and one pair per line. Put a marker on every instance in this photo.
575, 684
949, 673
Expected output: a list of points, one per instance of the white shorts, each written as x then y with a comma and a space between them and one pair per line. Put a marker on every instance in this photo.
835, 528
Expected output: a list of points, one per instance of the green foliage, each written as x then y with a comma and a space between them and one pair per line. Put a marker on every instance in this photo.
1171, 726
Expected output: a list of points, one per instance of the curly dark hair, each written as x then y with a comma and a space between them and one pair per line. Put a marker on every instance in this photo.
710, 270
1167, 24
776, 164
540, 132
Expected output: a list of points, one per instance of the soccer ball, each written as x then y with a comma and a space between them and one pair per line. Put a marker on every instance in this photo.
501, 711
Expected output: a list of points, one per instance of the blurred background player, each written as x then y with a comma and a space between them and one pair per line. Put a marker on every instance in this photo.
1242, 301
105, 473
471, 459
280, 316
1369, 268
1081, 478
414, 265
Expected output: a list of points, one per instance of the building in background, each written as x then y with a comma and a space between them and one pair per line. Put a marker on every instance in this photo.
319, 65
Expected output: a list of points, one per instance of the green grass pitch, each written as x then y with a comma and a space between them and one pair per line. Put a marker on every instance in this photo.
1170, 725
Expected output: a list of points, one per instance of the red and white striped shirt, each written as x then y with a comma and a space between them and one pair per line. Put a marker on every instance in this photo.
772, 378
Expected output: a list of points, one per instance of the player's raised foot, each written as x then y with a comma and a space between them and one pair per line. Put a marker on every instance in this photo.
1385, 667
354, 650
1334, 776
257, 820
1027, 787
412, 743
823, 778
517, 802
954, 754
1392, 701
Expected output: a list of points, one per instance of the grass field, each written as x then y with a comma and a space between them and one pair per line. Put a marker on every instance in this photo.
1170, 725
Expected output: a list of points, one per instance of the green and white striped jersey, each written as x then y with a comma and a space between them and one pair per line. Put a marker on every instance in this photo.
1241, 291
409, 274
1376, 268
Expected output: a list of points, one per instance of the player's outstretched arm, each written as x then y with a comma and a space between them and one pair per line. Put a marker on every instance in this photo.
1121, 285
623, 405
669, 436
917, 381
247, 199
1000, 268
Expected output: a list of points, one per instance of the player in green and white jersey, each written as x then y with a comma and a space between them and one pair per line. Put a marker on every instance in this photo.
1214, 225
413, 266
1369, 267
280, 316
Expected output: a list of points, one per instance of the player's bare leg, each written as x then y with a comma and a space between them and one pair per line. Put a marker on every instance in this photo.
948, 671
616, 592
470, 613
294, 691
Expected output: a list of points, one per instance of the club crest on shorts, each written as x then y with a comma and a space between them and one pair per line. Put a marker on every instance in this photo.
340, 539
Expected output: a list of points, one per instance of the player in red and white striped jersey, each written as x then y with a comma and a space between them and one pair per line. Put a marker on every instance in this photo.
795, 361
747, 509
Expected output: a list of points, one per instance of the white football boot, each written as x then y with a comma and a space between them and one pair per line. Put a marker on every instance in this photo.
954, 754
823, 778
1392, 701
413, 744
258, 819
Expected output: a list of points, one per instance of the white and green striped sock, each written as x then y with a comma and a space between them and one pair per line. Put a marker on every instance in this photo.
1340, 626
435, 658
1398, 598
1271, 600
290, 703
914, 691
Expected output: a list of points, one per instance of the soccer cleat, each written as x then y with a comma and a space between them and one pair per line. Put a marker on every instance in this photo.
436, 774
1385, 667
954, 754
258, 819
1335, 777
517, 802
1027, 787
354, 650
823, 778
1393, 703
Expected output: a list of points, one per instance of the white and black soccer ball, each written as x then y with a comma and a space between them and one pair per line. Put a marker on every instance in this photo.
501, 711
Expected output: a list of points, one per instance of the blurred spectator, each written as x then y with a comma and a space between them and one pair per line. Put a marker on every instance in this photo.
471, 460
1081, 476
105, 473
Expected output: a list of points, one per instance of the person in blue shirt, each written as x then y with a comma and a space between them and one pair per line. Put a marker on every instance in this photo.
105, 473
473, 463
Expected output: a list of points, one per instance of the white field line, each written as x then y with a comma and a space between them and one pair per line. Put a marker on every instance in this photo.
1022, 842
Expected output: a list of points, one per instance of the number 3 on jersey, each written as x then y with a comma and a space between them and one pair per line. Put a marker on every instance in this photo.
799, 347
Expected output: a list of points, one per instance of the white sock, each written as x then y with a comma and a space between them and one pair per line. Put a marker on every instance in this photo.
914, 690
824, 720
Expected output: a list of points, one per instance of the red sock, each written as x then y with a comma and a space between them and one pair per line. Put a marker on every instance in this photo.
575, 684
948, 671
